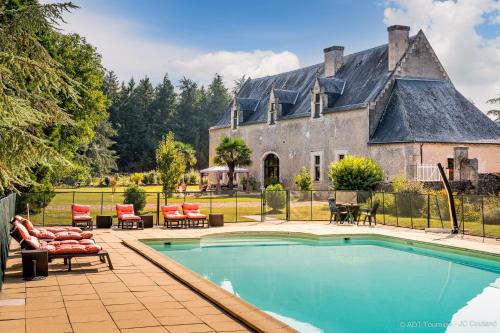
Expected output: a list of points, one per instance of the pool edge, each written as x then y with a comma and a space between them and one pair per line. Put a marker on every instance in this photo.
242, 311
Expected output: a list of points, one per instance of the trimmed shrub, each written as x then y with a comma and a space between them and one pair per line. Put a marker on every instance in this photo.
276, 197
303, 180
355, 173
137, 178
136, 196
151, 178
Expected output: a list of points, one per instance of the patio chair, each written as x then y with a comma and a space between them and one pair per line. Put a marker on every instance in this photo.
172, 218
66, 250
127, 217
336, 211
81, 216
193, 215
53, 234
370, 213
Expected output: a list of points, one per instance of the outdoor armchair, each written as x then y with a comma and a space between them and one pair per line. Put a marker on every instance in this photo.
193, 214
370, 213
172, 218
337, 213
127, 218
80, 215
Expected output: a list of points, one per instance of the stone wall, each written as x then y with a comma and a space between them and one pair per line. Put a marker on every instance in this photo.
294, 141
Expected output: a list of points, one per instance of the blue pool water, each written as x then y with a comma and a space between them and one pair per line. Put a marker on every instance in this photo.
365, 285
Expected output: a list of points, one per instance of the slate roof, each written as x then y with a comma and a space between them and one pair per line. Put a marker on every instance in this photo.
331, 85
286, 96
248, 104
421, 110
364, 74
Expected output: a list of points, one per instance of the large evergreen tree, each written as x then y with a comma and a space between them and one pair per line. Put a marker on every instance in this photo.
32, 84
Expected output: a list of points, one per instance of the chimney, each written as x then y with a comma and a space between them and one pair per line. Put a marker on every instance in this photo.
399, 36
334, 59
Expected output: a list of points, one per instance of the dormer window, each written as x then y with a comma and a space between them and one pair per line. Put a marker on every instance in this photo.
234, 116
272, 114
317, 106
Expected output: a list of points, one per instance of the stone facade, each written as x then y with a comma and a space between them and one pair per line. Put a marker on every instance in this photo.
348, 121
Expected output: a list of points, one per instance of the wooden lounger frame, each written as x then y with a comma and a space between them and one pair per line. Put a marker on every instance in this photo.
103, 255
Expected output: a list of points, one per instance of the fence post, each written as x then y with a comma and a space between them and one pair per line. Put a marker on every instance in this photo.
428, 210
463, 224
73, 200
102, 200
262, 209
236, 197
482, 213
396, 205
157, 208
411, 211
210, 202
383, 206
287, 209
43, 209
311, 205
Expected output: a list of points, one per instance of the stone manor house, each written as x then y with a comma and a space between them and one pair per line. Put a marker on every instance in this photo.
394, 103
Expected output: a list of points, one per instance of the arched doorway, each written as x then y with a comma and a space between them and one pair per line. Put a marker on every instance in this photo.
271, 168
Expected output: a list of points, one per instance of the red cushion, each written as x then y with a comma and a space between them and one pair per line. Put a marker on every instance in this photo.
72, 241
70, 248
42, 234
77, 209
174, 216
170, 209
129, 217
68, 235
92, 248
195, 216
50, 248
63, 229
83, 217
32, 244
86, 234
27, 223
124, 209
22, 231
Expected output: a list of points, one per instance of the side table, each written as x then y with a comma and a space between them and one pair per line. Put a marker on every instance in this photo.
35, 264
216, 220
147, 220
104, 221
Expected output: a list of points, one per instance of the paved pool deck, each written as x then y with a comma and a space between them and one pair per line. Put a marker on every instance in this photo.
139, 296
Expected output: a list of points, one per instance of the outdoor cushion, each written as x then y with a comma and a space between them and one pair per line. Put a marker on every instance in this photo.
76, 249
42, 234
83, 217
32, 243
174, 216
23, 232
195, 216
80, 211
191, 208
172, 209
124, 209
63, 229
72, 241
27, 223
129, 217
86, 234
68, 235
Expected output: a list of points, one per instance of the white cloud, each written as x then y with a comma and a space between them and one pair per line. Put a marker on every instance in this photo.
471, 60
126, 50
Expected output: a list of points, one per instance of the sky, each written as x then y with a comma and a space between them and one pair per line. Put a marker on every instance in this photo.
197, 39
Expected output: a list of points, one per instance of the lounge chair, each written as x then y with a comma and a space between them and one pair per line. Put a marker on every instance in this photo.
370, 213
172, 218
53, 234
127, 217
81, 216
66, 250
194, 217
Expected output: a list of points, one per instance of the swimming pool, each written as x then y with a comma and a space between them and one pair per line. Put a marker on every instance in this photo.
358, 284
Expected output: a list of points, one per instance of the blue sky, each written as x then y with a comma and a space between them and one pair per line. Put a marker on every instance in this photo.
256, 37
303, 27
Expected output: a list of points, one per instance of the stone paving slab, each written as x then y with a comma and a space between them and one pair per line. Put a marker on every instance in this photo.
138, 296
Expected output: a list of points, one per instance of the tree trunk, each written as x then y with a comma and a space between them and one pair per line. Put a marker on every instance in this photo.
231, 177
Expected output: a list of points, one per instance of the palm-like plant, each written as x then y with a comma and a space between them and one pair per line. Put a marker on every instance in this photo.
232, 152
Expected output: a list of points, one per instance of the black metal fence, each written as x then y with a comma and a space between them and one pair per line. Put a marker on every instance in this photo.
477, 215
7, 207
